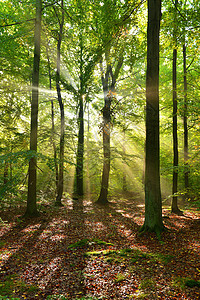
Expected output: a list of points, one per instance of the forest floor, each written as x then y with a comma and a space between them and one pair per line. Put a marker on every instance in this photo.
84, 251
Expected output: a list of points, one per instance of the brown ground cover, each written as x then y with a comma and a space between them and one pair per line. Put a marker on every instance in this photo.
84, 251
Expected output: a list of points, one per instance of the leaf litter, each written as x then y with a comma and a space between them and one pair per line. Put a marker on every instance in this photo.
85, 251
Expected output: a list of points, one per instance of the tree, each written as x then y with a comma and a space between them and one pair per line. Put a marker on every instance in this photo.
185, 120
153, 204
115, 25
31, 209
52, 119
174, 208
62, 115
80, 148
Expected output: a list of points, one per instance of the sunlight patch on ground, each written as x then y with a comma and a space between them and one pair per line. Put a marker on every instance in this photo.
130, 216
120, 211
31, 228
124, 232
57, 237
7, 252
45, 234
95, 226
44, 273
69, 203
141, 205
5, 227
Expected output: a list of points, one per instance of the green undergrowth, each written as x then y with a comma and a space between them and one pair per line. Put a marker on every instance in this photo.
13, 285
133, 255
182, 282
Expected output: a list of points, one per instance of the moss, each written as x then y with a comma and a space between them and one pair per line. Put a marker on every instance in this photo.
192, 283
120, 277
147, 283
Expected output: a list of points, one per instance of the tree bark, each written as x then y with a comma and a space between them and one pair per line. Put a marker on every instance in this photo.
52, 123
88, 149
80, 151
124, 187
174, 207
106, 148
153, 204
31, 209
109, 91
62, 116
185, 121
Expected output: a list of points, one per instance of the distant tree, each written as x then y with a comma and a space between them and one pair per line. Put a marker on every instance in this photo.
153, 204
31, 209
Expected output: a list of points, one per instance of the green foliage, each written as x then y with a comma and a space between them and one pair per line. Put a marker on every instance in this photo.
91, 34
78, 244
192, 283
12, 283
120, 277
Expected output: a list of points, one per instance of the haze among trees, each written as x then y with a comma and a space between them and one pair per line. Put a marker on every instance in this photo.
98, 99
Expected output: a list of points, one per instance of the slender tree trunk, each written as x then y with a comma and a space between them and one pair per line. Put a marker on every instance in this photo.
31, 209
153, 203
108, 83
186, 173
88, 150
80, 149
124, 163
62, 117
174, 208
52, 122
106, 148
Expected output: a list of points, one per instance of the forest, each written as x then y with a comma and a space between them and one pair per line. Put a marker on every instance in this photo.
99, 149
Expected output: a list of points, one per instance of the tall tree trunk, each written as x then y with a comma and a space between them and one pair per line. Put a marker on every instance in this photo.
80, 149
52, 122
124, 187
174, 207
153, 204
185, 114
88, 150
62, 117
31, 209
106, 147
108, 83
